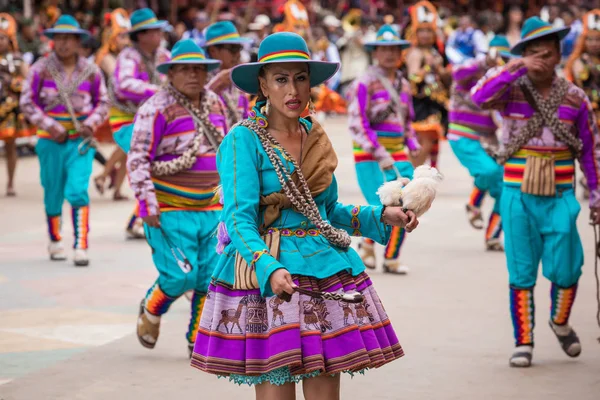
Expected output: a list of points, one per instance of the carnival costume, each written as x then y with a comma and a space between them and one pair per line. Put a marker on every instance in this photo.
248, 333
429, 91
582, 68
13, 69
50, 99
171, 166
539, 209
469, 125
236, 102
380, 114
135, 80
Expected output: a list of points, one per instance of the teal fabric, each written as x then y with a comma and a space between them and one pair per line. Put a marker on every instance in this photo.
541, 228
371, 177
486, 172
193, 233
65, 174
246, 174
194, 55
123, 136
387, 36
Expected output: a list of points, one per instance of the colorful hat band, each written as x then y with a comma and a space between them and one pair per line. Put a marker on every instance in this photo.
189, 56
66, 27
285, 55
221, 38
144, 23
387, 38
538, 31
501, 48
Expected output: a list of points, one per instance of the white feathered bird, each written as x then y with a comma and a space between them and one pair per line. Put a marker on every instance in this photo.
416, 195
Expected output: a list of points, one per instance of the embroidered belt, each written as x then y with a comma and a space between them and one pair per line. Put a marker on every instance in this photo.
300, 233
73, 134
392, 142
463, 131
564, 166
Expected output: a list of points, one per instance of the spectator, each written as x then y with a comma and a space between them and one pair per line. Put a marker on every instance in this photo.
514, 20
568, 43
332, 25
201, 21
29, 43
466, 42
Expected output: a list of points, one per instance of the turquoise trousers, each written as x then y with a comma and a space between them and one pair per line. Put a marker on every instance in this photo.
371, 177
65, 174
190, 233
487, 174
541, 228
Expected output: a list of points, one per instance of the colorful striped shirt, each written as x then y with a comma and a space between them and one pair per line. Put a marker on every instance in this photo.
132, 80
498, 90
162, 131
90, 100
369, 100
231, 97
466, 119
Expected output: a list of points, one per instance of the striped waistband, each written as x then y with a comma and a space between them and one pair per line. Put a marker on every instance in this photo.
393, 145
171, 196
564, 166
117, 119
463, 131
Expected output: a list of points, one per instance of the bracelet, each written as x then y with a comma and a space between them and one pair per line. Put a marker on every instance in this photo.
382, 214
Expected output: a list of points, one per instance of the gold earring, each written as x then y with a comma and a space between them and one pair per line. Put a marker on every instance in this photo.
267, 107
311, 107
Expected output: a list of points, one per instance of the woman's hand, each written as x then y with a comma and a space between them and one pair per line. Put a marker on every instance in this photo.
281, 281
397, 217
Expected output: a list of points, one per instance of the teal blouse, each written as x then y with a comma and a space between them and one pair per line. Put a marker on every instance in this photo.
246, 174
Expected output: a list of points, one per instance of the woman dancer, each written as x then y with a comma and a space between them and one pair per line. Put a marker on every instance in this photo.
277, 176
12, 72
581, 68
380, 116
430, 80
116, 38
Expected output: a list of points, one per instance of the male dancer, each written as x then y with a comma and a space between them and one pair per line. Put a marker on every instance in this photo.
468, 126
136, 79
64, 95
224, 43
548, 122
380, 114
172, 170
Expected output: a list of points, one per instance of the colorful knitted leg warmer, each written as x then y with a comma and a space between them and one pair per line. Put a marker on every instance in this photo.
392, 250
476, 198
197, 305
81, 226
562, 303
157, 302
54, 226
133, 217
494, 228
522, 310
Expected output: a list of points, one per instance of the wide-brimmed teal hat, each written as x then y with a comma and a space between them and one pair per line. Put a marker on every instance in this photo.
535, 28
223, 32
282, 47
501, 44
144, 19
186, 51
66, 24
387, 36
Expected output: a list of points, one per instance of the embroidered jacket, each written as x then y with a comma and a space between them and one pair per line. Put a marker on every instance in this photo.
467, 119
162, 131
133, 81
371, 127
498, 90
90, 100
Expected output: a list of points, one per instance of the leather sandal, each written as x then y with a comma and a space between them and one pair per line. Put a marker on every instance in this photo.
146, 328
475, 217
567, 341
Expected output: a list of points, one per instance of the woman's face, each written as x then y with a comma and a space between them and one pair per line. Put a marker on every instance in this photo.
287, 86
122, 41
387, 56
4, 43
592, 43
425, 37
515, 16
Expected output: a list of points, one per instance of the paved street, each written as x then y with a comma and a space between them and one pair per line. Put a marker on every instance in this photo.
69, 334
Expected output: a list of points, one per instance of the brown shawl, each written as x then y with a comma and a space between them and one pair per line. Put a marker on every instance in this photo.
319, 161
